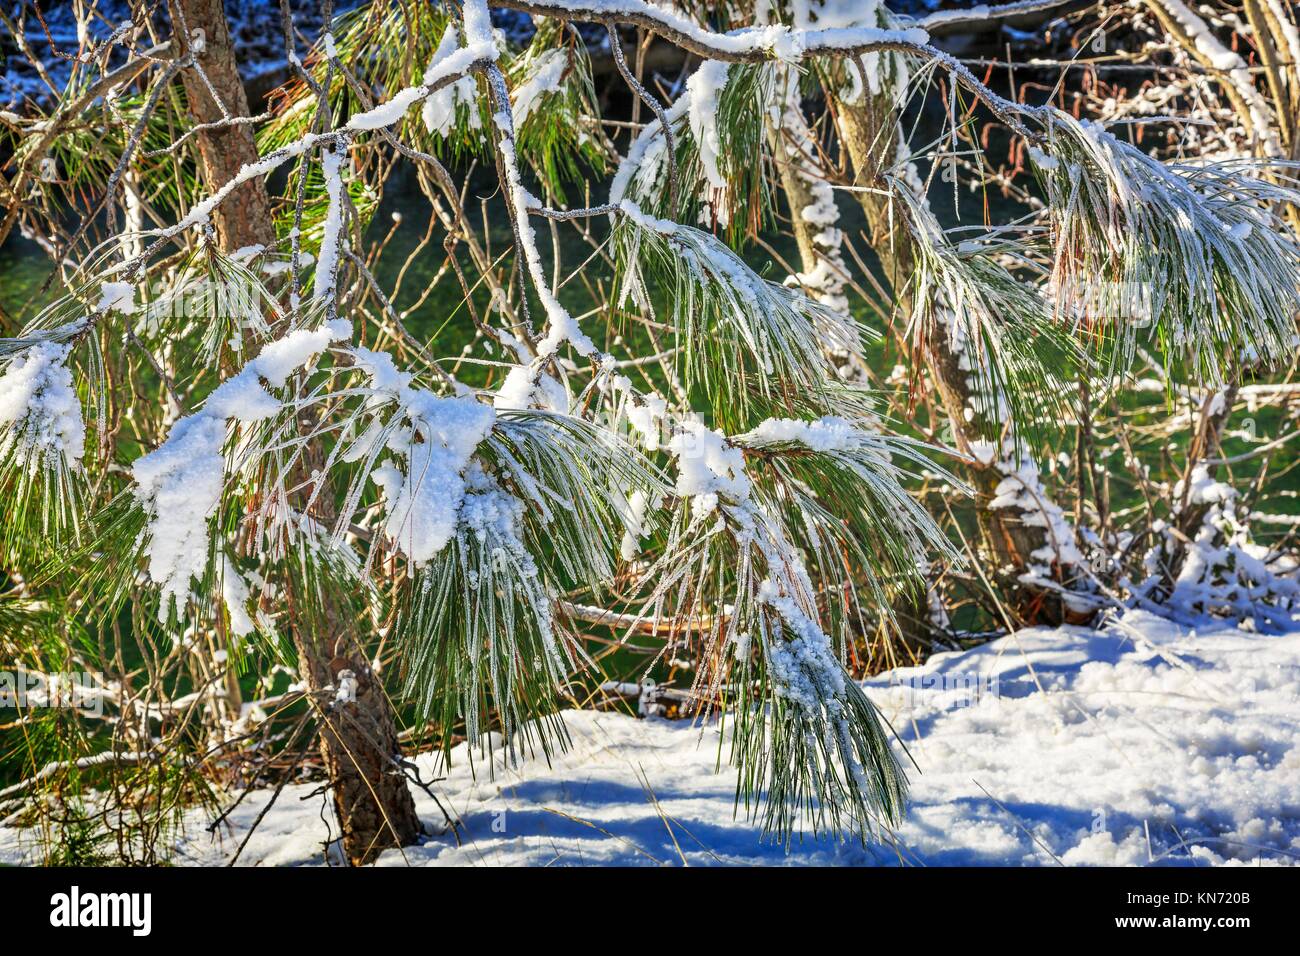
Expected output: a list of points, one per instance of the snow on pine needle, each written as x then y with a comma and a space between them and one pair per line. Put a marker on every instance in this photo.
478, 620
430, 441
543, 512
705, 87
1017, 360
553, 100
829, 752
40, 410
454, 104
802, 735
842, 484
42, 436
745, 341
719, 136
179, 485
1196, 254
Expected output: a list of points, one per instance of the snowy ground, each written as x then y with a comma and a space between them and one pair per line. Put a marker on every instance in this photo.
1144, 743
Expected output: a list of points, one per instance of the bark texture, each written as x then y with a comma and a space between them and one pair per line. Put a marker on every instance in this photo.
245, 217
358, 739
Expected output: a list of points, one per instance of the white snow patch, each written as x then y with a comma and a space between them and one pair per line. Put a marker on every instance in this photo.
439, 110
708, 466
116, 297
1141, 743
828, 433
436, 439
40, 416
331, 162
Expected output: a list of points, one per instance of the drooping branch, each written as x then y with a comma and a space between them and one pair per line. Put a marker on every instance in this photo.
616, 47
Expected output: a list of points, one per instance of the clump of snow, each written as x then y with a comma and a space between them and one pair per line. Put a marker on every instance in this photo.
646, 413
116, 297
708, 467
633, 514
801, 660
648, 418
1021, 491
705, 88
346, 690
665, 227
281, 358
392, 110
478, 23
241, 397
828, 433
439, 111
39, 411
435, 440
526, 386
179, 483
1043, 160
1202, 489
423, 502
331, 162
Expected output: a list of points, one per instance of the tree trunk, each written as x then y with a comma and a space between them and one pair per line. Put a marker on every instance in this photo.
870, 134
813, 218
1207, 441
244, 219
358, 735
359, 738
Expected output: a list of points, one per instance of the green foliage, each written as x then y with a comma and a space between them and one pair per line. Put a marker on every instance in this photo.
477, 624
1194, 259
748, 346
91, 147
384, 46
561, 135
